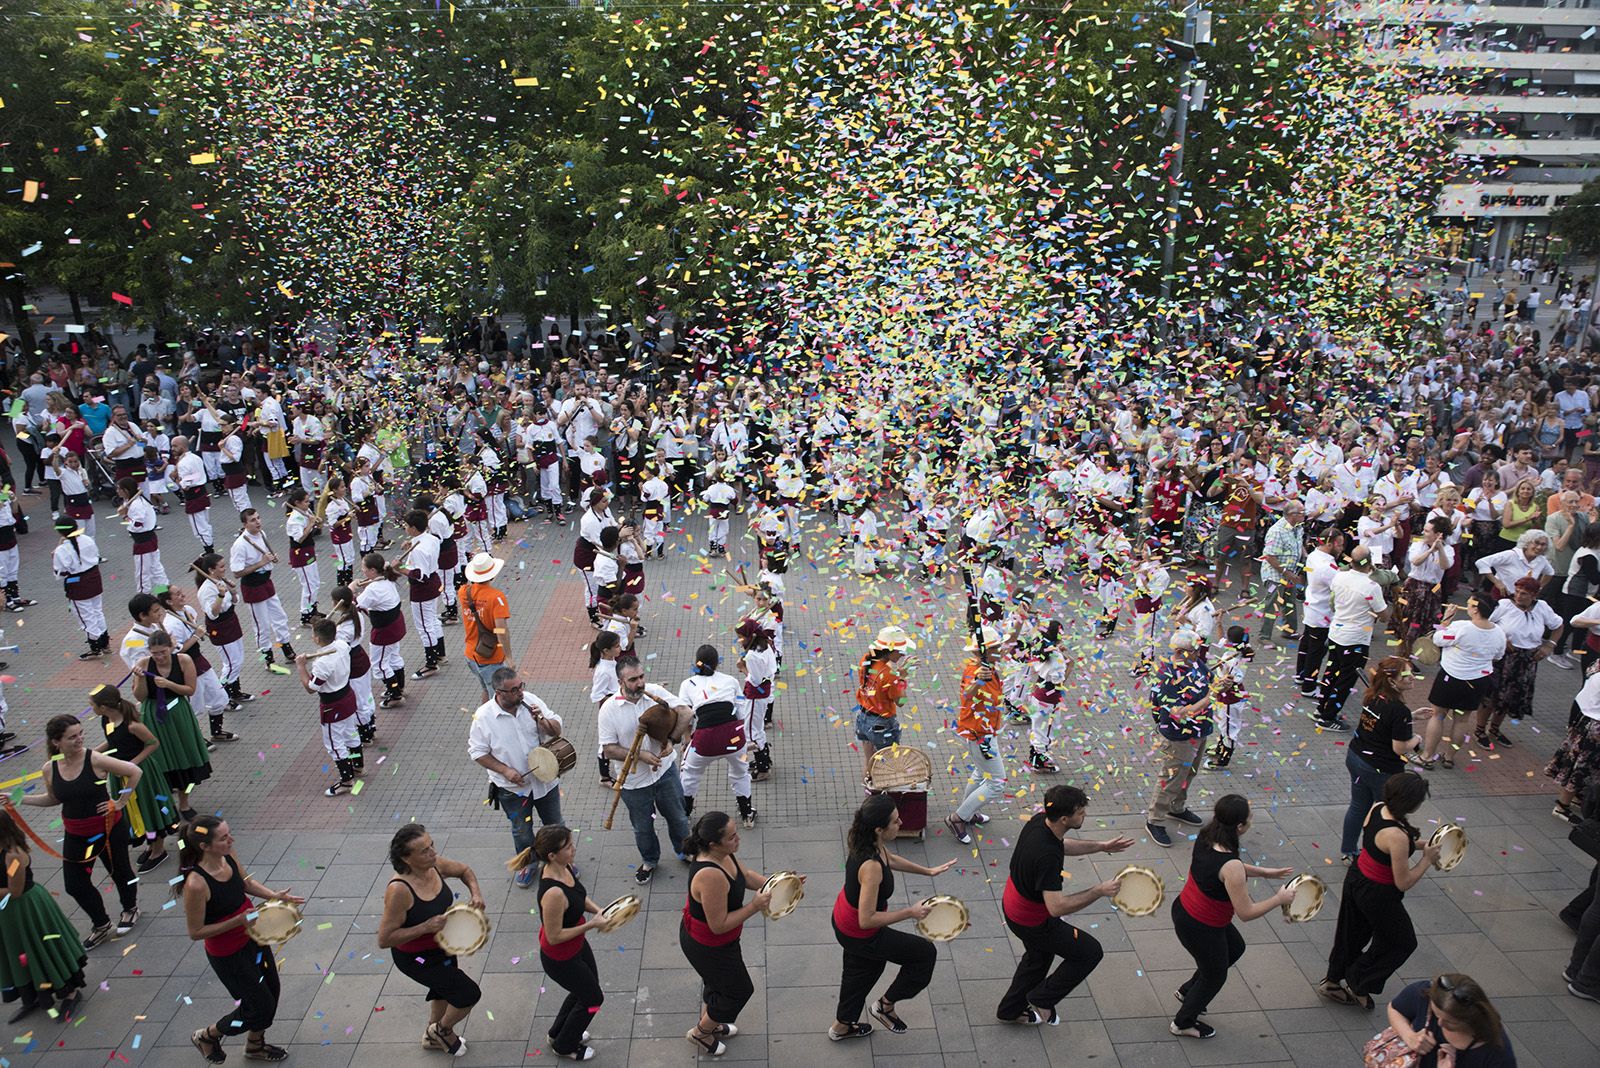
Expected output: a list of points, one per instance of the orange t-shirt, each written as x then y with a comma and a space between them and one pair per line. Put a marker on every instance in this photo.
492, 608
881, 688
980, 715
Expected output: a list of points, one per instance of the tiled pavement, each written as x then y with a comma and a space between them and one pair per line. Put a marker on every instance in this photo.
1494, 917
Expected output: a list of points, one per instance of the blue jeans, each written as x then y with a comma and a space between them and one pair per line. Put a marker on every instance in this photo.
1366, 790
664, 796
516, 807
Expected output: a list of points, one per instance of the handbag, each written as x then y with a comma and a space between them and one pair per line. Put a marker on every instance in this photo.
1387, 1049
485, 642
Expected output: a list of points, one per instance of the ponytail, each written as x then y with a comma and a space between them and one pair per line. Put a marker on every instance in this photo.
706, 832
192, 837
376, 562
108, 696
1230, 811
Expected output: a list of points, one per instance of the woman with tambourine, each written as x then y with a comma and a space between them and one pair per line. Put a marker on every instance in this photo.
564, 950
414, 905
1375, 936
713, 918
213, 888
862, 923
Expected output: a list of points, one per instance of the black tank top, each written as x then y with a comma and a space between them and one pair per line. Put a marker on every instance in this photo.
1369, 837
735, 889
125, 745
576, 895
421, 910
226, 897
80, 798
852, 881
1205, 868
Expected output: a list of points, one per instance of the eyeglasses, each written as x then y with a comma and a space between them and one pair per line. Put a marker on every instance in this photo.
518, 688
1449, 986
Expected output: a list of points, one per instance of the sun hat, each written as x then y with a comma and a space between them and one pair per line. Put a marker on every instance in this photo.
991, 638
484, 567
895, 640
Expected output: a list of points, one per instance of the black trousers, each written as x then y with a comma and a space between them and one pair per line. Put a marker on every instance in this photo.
726, 981
32, 464
1572, 912
1374, 936
1034, 984
1339, 678
77, 873
579, 976
1313, 647
250, 976
1215, 950
441, 974
865, 960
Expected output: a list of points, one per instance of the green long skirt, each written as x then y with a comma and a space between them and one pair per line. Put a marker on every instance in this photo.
183, 752
40, 954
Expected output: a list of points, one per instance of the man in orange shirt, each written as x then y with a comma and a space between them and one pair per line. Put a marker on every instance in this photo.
484, 615
881, 688
979, 719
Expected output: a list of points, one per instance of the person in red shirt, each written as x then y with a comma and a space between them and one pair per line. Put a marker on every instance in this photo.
882, 686
977, 722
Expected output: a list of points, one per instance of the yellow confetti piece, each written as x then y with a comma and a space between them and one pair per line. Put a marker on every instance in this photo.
200, 159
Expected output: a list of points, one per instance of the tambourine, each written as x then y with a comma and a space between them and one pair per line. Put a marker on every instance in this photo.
274, 923
786, 890
1425, 651
465, 930
947, 918
619, 912
1309, 894
1141, 892
1452, 843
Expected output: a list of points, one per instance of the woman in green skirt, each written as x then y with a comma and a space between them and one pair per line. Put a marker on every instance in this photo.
41, 958
153, 814
163, 683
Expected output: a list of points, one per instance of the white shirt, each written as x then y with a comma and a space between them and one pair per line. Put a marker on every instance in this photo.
619, 723
64, 561
1513, 564
760, 665
1357, 600
698, 690
1468, 651
248, 549
509, 737
135, 646
330, 671
190, 470
604, 683
1525, 630
1426, 566
141, 514
1320, 571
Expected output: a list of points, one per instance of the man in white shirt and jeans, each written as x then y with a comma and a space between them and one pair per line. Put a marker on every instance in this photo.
652, 784
505, 730
1357, 604
1322, 566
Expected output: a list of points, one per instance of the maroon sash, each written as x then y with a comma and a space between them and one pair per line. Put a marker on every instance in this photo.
224, 629
85, 585
388, 625
195, 499
257, 587
424, 589
583, 555
360, 662
338, 705
144, 542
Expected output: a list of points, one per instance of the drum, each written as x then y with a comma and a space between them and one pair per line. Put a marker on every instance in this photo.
552, 760
1452, 843
274, 924
947, 918
619, 912
466, 929
1309, 894
1424, 651
899, 766
786, 890
1141, 892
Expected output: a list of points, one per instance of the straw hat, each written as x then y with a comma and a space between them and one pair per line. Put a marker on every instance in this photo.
1184, 639
484, 567
991, 639
895, 640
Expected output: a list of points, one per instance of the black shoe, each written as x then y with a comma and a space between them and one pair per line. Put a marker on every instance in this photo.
149, 863
1186, 817
1158, 834
643, 874
224, 736
1336, 725
428, 671
23, 1011
1199, 1029
91, 653
289, 654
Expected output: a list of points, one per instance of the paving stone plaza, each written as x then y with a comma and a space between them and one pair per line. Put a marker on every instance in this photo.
343, 1005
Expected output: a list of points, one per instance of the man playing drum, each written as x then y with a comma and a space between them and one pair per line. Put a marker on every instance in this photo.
505, 731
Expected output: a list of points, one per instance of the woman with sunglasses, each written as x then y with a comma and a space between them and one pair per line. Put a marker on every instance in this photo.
1450, 1023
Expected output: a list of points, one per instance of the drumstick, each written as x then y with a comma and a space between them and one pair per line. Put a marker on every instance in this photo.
627, 769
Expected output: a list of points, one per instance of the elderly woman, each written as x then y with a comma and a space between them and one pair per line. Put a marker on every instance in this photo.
1530, 625
1527, 560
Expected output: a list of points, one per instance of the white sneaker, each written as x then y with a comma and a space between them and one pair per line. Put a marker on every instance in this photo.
1565, 661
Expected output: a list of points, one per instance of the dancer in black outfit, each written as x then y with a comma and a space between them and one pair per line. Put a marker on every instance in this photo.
76, 779
564, 949
1374, 936
414, 903
862, 919
713, 918
1034, 903
213, 888
1202, 915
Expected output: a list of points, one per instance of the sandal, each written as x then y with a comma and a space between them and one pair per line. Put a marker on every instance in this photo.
707, 1042
264, 1051
857, 1030
887, 1017
200, 1040
1336, 992
1447, 762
